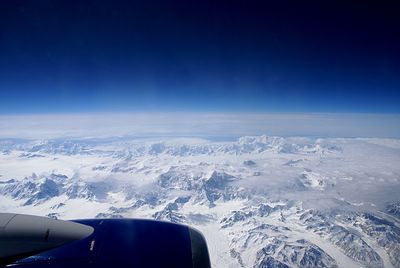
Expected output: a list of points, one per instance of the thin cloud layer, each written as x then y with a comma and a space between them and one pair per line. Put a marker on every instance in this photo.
102, 125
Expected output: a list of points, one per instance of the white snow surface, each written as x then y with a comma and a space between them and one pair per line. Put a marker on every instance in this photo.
260, 201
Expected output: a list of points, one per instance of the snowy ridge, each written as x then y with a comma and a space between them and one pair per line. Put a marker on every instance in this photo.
34, 190
261, 201
244, 145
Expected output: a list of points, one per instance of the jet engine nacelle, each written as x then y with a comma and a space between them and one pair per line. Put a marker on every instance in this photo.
31, 241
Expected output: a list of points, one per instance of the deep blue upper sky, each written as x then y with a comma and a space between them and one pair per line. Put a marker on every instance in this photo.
296, 56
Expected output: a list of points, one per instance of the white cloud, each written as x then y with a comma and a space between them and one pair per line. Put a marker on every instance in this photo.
198, 124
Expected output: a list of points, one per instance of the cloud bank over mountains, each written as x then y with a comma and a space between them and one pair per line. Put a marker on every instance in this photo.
260, 201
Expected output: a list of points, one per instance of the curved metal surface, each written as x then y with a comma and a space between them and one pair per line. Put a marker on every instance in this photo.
24, 235
128, 243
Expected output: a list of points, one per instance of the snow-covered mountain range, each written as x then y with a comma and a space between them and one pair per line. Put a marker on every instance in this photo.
260, 201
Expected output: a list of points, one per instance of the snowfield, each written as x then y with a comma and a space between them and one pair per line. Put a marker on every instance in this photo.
261, 201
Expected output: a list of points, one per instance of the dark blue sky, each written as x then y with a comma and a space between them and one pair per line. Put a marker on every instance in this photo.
88, 56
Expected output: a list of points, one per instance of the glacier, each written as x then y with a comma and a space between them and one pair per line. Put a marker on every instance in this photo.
261, 201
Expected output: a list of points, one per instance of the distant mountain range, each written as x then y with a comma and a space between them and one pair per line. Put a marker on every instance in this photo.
260, 201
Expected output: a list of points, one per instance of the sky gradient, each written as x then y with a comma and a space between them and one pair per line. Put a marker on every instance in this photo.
199, 56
